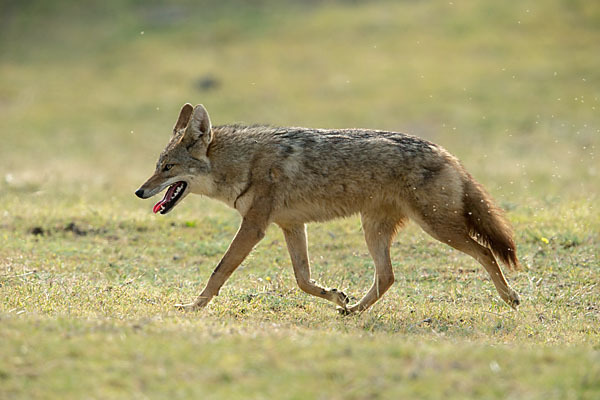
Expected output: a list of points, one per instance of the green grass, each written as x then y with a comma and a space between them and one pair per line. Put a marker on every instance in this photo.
88, 276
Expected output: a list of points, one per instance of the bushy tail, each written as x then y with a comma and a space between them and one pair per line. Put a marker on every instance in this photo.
488, 225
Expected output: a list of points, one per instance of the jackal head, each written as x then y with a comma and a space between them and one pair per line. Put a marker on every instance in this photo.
183, 166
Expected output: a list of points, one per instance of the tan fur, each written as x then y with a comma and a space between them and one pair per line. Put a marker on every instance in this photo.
291, 176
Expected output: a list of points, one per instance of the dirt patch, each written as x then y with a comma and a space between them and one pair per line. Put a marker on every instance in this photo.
73, 227
37, 231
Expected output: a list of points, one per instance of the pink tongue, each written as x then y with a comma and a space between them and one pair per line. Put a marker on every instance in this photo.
158, 206
165, 199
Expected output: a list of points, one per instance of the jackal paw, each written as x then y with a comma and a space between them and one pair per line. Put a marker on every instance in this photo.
195, 306
343, 311
348, 310
187, 307
510, 297
340, 298
513, 299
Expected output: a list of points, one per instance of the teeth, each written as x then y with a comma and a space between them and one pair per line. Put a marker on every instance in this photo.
178, 190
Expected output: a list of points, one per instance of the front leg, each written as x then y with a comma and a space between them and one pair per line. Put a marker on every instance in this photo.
251, 231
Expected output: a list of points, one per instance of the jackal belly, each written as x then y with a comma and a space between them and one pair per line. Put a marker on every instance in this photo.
317, 204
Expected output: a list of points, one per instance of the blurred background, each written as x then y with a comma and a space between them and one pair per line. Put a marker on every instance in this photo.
89, 91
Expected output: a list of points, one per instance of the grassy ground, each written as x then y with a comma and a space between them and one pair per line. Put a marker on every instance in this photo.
88, 276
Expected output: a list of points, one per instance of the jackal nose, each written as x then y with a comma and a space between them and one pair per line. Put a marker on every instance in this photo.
140, 193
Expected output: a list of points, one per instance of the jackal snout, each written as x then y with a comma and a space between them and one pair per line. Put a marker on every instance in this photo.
145, 193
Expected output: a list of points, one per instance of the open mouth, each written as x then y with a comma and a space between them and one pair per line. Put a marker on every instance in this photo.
174, 193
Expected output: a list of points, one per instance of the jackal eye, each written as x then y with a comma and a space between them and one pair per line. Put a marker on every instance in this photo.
167, 167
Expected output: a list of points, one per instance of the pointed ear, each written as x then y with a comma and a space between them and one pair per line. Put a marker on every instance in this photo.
199, 126
184, 117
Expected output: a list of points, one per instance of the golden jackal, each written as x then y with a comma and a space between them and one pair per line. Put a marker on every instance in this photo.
291, 176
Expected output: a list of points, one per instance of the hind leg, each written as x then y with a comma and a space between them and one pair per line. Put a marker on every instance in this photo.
487, 259
379, 232
463, 242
